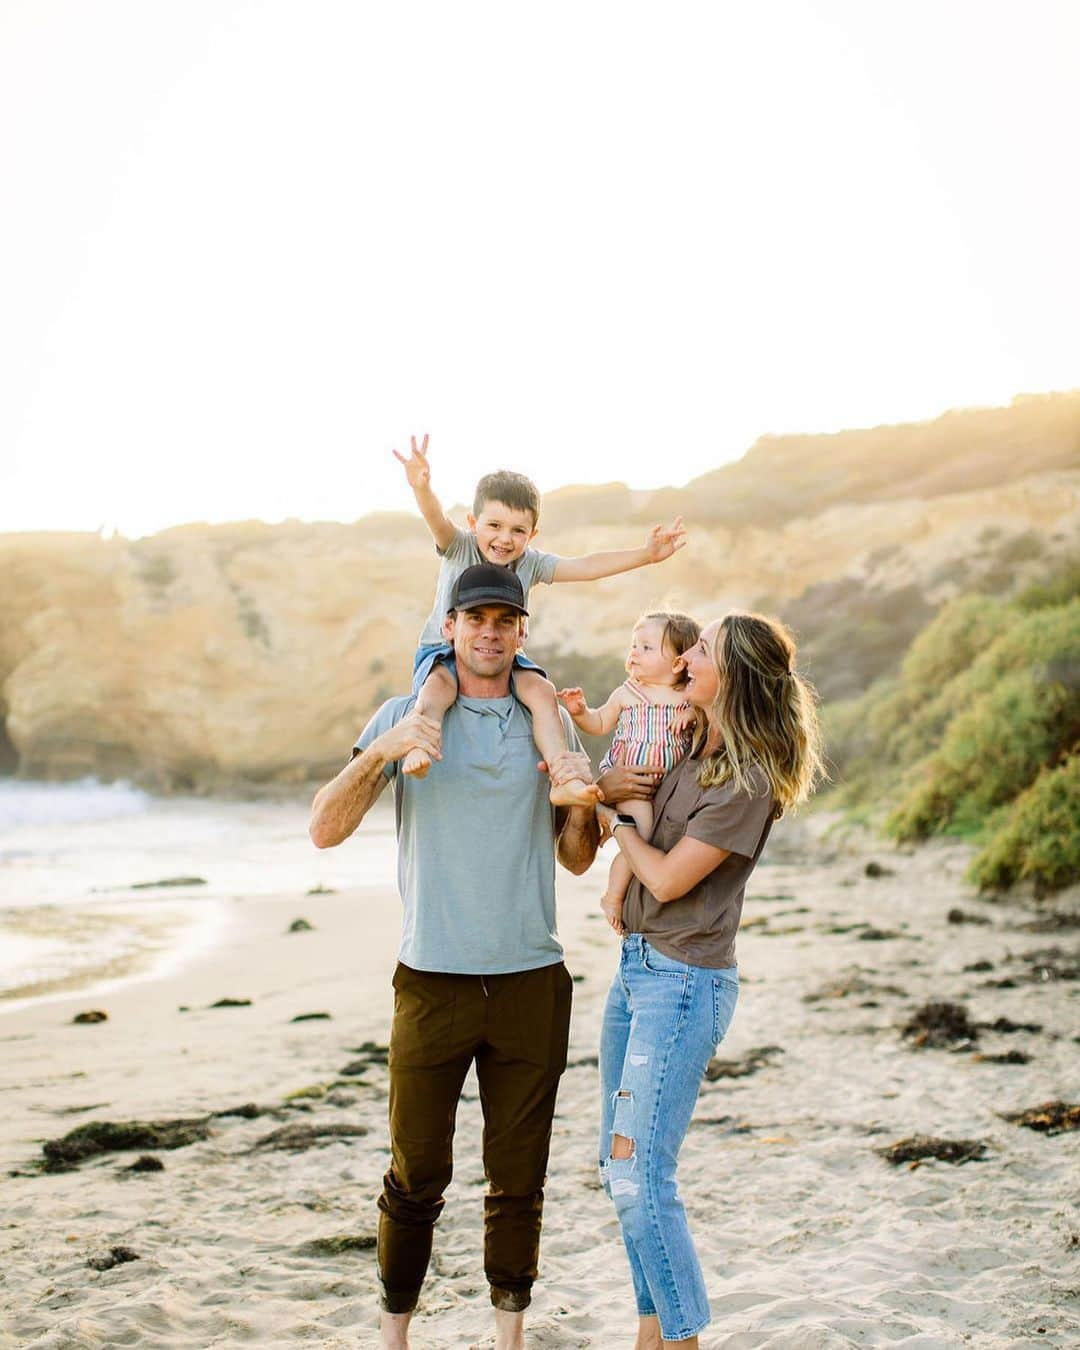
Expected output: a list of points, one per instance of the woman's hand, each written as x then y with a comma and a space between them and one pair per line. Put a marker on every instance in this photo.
622, 783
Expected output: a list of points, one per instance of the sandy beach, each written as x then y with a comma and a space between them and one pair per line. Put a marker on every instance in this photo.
808, 1235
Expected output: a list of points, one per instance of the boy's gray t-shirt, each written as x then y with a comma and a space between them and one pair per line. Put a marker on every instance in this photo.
532, 567
476, 850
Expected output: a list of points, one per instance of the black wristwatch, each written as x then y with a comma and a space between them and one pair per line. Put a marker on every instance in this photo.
621, 818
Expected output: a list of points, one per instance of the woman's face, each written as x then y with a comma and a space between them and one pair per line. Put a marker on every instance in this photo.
702, 681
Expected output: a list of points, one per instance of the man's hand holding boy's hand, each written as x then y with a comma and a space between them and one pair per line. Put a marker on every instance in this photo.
664, 540
413, 732
567, 766
417, 468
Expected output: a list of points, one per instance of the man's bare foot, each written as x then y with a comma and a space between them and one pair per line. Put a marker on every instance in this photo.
394, 1330
416, 762
509, 1330
575, 792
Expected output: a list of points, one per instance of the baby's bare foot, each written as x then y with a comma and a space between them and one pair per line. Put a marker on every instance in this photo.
416, 762
612, 908
575, 792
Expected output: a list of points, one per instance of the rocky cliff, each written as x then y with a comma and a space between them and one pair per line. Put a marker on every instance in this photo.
204, 656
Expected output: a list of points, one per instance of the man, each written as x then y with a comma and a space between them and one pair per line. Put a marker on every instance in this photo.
480, 975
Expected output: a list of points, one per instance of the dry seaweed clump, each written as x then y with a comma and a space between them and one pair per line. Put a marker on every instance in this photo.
919, 1147
104, 1136
941, 1025
1049, 1118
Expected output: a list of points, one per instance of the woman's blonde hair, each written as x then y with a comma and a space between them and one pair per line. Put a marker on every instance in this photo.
679, 634
765, 710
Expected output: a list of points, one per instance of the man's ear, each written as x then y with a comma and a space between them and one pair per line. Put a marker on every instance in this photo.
448, 628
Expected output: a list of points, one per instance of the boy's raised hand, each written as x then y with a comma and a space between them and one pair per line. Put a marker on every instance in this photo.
417, 468
664, 540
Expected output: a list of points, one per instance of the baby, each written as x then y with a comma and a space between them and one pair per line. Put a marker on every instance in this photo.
502, 524
653, 723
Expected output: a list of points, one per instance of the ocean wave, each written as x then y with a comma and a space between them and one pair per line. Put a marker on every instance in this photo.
24, 803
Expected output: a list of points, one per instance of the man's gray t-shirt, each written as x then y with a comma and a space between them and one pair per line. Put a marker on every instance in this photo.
476, 854
532, 567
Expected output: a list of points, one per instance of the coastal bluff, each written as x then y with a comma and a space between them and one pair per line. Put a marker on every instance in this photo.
205, 657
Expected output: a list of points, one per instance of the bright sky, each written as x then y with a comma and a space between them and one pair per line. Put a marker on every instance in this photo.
246, 248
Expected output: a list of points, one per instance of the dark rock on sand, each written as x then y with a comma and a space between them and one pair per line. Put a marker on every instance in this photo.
168, 881
750, 1063
311, 1017
584, 1062
232, 1003
306, 1136
301, 925
355, 1068
1049, 1118
146, 1162
979, 966
103, 1136
375, 1054
937, 1025
879, 935
320, 889
1006, 1025
875, 869
1052, 923
335, 1246
248, 1111
960, 916
845, 985
95, 1015
117, 1257
1009, 1057
920, 1146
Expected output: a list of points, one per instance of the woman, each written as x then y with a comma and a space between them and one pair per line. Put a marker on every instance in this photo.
756, 753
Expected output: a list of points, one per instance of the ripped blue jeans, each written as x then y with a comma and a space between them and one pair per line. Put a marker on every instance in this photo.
662, 1022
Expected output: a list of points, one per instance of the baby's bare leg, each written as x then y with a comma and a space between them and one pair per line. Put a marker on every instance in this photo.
437, 693
620, 875
538, 695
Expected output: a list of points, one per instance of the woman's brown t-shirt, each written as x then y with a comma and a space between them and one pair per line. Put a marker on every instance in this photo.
699, 928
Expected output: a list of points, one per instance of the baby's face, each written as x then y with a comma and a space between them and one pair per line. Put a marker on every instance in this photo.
648, 659
502, 532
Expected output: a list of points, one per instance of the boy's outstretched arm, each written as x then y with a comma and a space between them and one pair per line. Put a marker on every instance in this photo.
418, 472
663, 541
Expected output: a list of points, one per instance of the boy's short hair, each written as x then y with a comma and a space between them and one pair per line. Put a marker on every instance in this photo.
512, 489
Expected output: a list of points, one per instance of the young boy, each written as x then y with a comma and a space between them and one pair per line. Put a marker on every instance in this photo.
502, 524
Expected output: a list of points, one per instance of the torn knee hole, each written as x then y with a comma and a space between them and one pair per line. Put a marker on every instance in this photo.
621, 1147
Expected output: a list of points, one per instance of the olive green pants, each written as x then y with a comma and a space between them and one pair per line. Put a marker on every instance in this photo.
515, 1027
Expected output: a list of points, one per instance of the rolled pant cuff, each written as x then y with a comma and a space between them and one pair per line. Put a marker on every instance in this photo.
511, 1300
398, 1301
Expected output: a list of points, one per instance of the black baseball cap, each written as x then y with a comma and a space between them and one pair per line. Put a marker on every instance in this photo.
487, 584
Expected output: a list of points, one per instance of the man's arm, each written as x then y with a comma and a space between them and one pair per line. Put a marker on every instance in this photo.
342, 804
577, 837
418, 472
663, 541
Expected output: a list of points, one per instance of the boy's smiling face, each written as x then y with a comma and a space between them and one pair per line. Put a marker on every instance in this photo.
502, 532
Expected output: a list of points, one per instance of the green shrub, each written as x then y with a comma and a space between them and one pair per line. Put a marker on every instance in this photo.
991, 752
1040, 837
